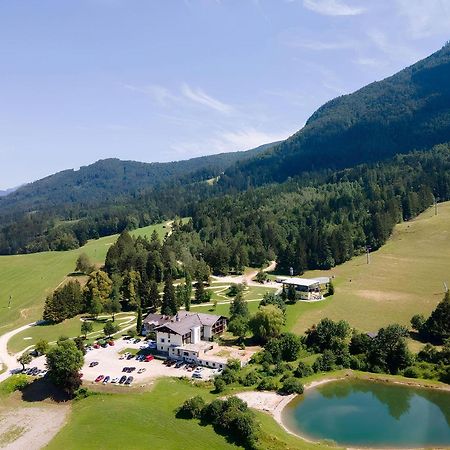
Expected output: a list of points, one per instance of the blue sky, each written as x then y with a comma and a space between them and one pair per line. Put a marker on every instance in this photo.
162, 80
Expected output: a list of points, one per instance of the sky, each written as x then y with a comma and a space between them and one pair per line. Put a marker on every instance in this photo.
164, 80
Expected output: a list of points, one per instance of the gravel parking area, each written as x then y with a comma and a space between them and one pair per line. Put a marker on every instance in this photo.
110, 364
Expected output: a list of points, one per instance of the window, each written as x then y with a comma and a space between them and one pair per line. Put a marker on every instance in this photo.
162, 339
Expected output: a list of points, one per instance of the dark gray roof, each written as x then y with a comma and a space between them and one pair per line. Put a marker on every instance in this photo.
156, 319
185, 320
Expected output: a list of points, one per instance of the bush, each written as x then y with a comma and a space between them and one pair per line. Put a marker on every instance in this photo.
303, 370
411, 372
325, 362
250, 378
192, 408
213, 411
268, 384
14, 383
131, 332
228, 375
219, 384
291, 386
234, 364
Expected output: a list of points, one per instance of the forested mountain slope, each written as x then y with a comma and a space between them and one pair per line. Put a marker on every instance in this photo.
407, 111
113, 180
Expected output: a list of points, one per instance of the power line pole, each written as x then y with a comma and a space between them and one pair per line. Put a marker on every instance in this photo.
368, 254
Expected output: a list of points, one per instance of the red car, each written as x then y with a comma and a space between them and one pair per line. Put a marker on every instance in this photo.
96, 345
99, 378
111, 343
148, 358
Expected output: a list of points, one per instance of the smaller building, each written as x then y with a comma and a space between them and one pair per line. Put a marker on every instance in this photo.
307, 288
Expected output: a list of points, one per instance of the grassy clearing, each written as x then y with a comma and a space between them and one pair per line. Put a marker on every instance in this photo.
30, 278
69, 328
140, 420
405, 277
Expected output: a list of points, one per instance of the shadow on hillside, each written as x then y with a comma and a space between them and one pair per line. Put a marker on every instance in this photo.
43, 389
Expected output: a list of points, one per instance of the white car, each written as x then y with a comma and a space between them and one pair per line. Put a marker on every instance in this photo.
115, 380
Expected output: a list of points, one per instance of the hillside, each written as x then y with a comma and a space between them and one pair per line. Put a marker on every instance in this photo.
30, 278
405, 277
409, 110
112, 180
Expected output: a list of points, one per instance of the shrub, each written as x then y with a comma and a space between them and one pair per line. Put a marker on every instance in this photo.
234, 364
192, 408
292, 386
268, 384
213, 411
228, 375
219, 384
303, 370
250, 378
411, 372
325, 362
15, 383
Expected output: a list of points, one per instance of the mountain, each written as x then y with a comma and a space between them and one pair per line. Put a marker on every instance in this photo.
407, 111
6, 192
113, 180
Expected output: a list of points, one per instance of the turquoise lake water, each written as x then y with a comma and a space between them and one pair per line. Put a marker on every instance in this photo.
371, 414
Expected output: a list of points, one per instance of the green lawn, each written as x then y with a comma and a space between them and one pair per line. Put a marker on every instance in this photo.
147, 420
51, 333
405, 277
30, 278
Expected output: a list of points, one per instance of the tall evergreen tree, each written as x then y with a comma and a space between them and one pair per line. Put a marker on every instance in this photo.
169, 304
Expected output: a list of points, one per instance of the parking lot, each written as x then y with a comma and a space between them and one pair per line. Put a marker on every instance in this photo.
110, 364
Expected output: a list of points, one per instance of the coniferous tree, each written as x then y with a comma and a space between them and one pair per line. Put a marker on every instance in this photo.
169, 304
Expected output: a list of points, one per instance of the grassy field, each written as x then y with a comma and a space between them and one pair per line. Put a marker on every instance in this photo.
69, 328
147, 420
405, 277
30, 278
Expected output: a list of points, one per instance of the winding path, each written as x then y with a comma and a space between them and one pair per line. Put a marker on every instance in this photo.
9, 361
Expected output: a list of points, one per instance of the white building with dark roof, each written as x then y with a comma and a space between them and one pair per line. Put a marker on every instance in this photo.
307, 288
188, 336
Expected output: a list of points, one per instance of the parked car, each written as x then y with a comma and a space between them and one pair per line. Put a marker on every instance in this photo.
179, 364
106, 379
96, 346
115, 380
111, 343
93, 364
197, 375
149, 358
130, 356
137, 340
141, 370
129, 380
123, 378
131, 369
99, 378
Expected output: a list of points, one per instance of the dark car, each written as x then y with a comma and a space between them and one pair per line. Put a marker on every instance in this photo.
131, 369
130, 356
129, 380
122, 379
93, 364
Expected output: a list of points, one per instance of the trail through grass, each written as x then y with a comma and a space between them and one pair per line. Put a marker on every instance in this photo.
30, 278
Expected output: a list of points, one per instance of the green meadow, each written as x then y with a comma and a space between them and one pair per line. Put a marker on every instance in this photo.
148, 420
30, 278
405, 277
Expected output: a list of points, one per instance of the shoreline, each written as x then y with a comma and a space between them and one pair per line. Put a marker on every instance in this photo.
264, 399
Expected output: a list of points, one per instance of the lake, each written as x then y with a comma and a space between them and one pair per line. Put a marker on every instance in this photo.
371, 414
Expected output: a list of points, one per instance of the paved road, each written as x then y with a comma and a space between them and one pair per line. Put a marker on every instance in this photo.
10, 360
